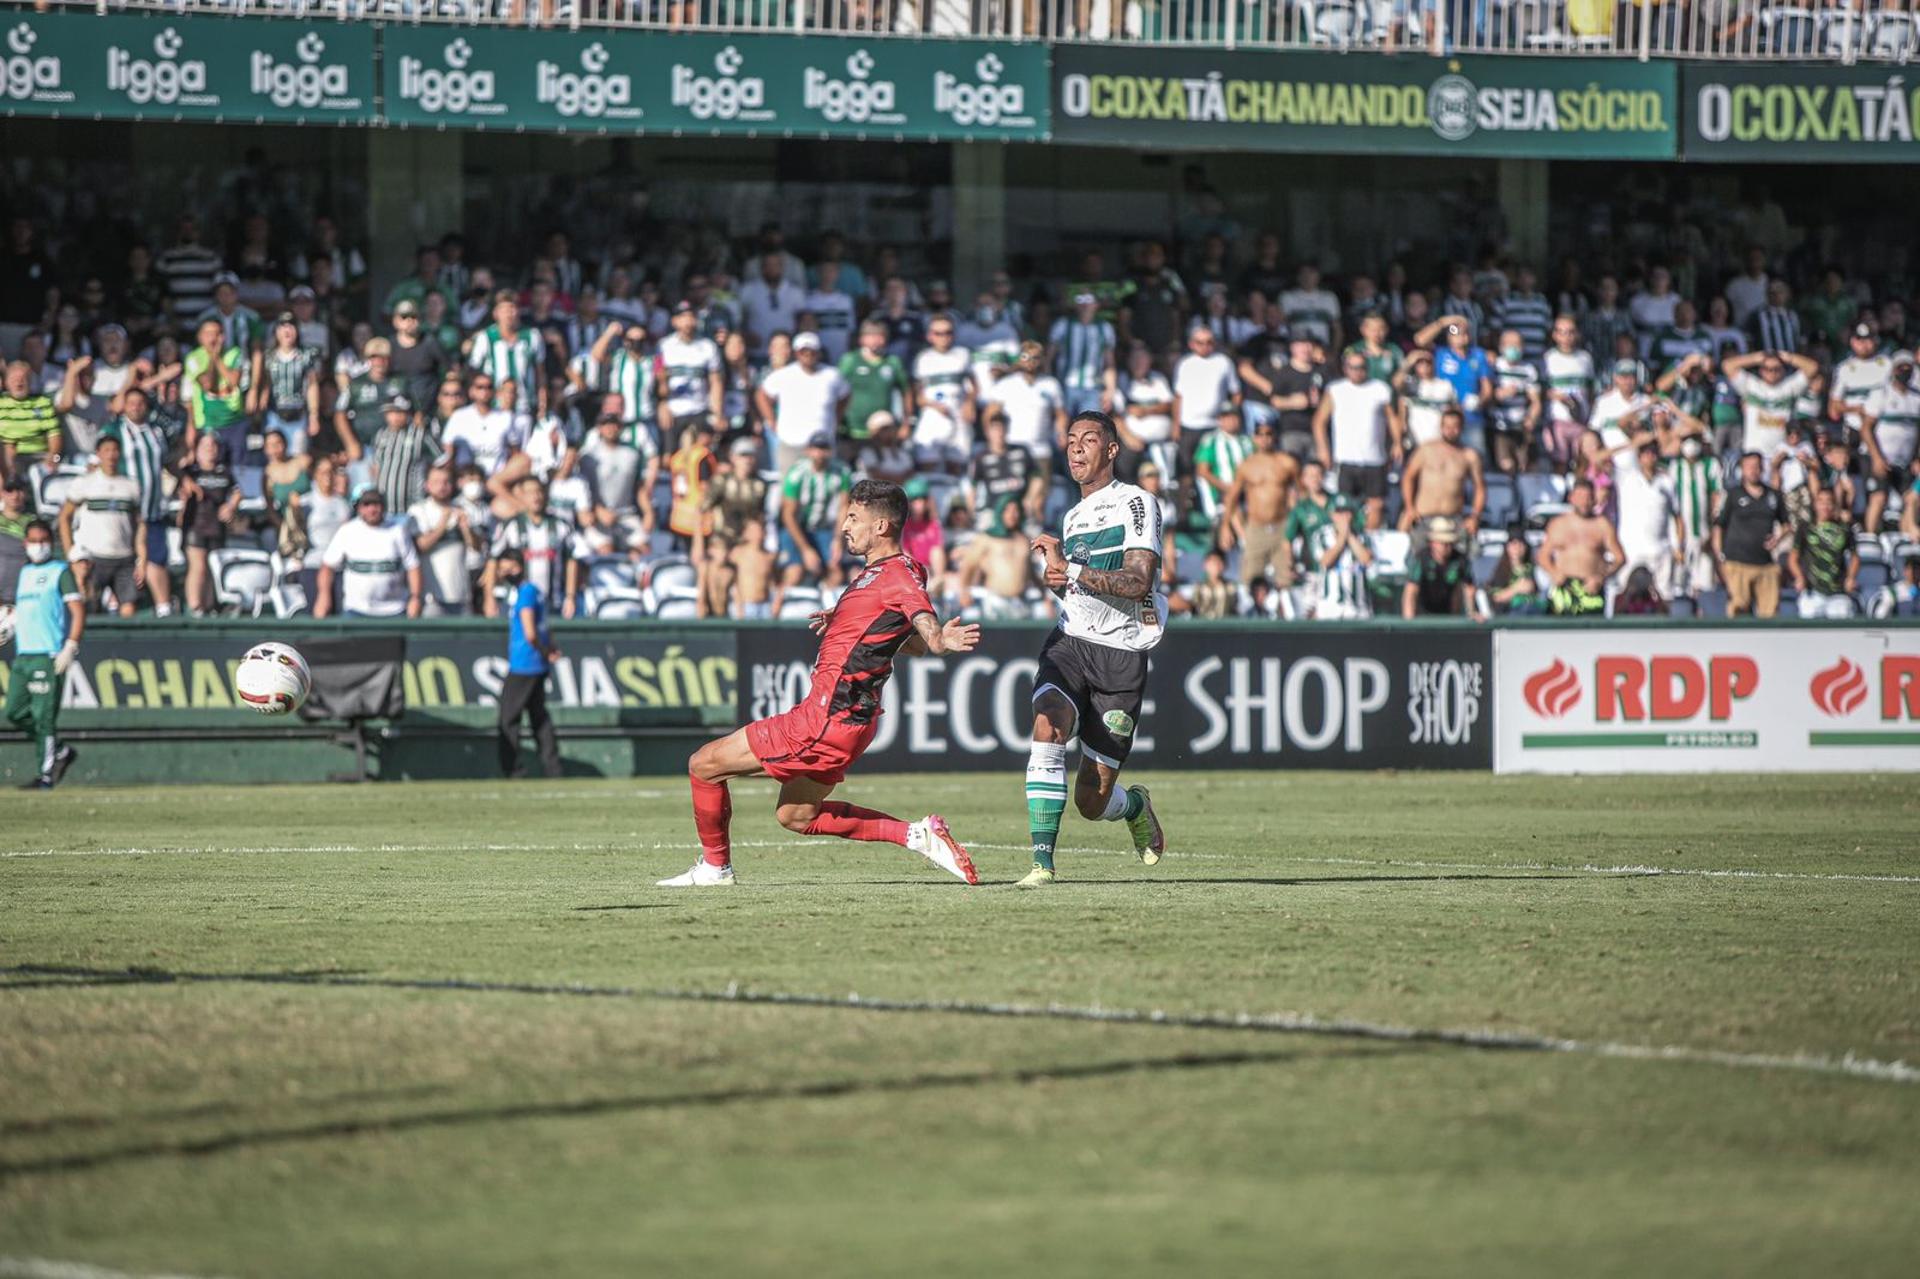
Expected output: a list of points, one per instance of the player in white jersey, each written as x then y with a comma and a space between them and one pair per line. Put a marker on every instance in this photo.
1092, 679
1858, 376
689, 369
1890, 431
943, 389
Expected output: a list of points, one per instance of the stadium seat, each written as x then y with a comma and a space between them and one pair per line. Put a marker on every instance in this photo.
1391, 550
619, 605
243, 579
678, 609
1537, 492
1890, 36
50, 491
1874, 574
1337, 23
612, 572
1789, 31
176, 549
670, 573
287, 596
1503, 503
1711, 603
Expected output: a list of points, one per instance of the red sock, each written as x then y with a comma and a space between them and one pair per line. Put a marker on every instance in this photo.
849, 821
712, 815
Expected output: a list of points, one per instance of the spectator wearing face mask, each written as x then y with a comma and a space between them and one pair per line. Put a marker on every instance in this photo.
50, 618
1698, 492
531, 654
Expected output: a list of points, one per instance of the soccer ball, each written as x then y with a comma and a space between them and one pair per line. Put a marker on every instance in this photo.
6, 625
273, 679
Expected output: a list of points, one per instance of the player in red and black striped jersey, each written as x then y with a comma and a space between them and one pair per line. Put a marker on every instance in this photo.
884, 614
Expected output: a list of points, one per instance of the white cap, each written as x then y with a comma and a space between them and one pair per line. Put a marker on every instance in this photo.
806, 342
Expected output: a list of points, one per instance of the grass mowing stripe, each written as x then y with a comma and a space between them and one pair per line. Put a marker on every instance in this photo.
1897, 1072
43, 1268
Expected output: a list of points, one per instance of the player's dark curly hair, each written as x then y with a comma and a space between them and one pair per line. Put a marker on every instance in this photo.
1099, 419
888, 501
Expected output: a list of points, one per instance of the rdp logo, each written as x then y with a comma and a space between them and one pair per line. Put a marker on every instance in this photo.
165, 81
1552, 692
301, 83
726, 95
589, 92
1669, 689
25, 77
1841, 689
859, 99
986, 101
452, 88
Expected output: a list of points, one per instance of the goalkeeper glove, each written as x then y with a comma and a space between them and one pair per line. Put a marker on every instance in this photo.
65, 658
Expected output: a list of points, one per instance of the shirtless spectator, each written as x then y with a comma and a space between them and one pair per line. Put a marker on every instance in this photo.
713, 587
1256, 505
753, 570
1434, 483
996, 566
1581, 553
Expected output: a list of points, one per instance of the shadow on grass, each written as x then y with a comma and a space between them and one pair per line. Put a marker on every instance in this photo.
209, 1110
629, 906
587, 1107
1148, 879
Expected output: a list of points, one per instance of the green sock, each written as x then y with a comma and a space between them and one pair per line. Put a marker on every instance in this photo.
1134, 805
1046, 798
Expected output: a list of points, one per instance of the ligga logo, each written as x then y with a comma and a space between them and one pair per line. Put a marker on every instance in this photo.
167, 80
304, 82
590, 92
25, 78
983, 101
726, 95
1553, 692
453, 88
859, 99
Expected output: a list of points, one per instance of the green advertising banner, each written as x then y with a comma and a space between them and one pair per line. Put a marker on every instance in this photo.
181, 68
1541, 108
1782, 112
778, 86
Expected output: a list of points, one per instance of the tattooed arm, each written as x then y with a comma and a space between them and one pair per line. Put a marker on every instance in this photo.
929, 636
1133, 580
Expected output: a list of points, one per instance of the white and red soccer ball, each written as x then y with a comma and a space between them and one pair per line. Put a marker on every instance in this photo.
273, 679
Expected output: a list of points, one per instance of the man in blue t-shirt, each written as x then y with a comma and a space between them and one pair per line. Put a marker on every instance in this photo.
530, 655
49, 617
1465, 365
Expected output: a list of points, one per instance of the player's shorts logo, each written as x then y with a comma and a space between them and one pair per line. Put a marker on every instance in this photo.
1119, 723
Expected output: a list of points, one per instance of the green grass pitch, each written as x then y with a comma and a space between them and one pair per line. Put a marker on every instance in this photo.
251, 1127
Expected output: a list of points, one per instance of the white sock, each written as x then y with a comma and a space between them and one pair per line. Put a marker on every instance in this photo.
1116, 806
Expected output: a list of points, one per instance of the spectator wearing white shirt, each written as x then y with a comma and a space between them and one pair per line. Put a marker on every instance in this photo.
1205, 386
1767, 398
444, 537
1357, 429
943, 388
1648, 516
832, 312
1424, 397
801, 399
484, 433
770, 303
1652, 308
1622, 412
1034, 405
1310, 310
103, 532
1747, 292
376, 563
1144, 414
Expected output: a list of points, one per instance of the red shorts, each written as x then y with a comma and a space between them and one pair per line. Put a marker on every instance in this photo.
790, 746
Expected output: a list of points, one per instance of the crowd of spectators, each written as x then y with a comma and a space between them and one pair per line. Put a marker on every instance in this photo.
245, 424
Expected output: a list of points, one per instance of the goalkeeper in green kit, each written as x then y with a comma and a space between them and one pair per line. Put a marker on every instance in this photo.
50, 617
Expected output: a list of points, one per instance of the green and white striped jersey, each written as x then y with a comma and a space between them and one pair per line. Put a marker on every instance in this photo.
1222, 454
1098, 533
1080, 352
814, 492
1696, 482
143, 456
516, 359
1345, 582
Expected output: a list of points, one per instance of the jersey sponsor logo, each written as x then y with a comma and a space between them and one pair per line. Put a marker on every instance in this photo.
1138, 507
1119, 723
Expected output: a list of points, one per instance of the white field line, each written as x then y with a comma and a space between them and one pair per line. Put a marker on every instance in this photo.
1898, 1072
1624, 871
41, 1268
1283, 1023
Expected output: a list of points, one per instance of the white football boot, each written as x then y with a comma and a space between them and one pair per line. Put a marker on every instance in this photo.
702, 875
932, 840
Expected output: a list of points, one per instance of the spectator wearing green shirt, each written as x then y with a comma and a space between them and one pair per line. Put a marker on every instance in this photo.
876, 383
424, 280
1830, 312
358, 413
29, 427
1310, 509
813, 498
1383, 357
1111, 296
